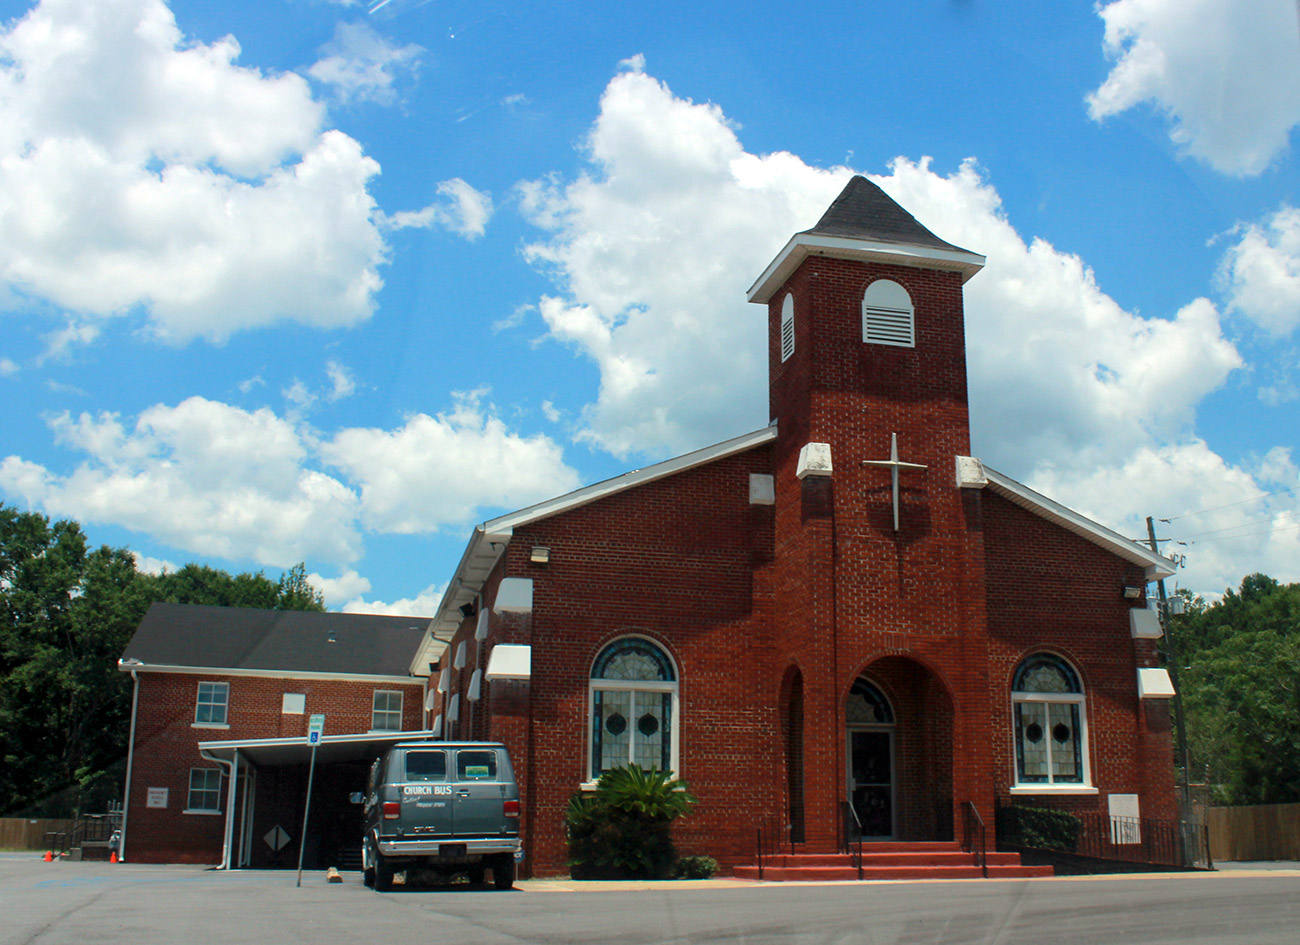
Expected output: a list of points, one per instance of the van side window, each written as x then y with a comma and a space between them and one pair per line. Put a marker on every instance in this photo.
426, 766
476, 766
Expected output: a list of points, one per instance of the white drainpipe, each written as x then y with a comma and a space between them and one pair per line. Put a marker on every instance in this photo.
232, 768
130, 757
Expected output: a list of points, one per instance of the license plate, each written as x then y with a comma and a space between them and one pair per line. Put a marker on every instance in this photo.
451, 849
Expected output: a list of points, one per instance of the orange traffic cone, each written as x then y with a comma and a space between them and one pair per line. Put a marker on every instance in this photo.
112, 857
49, 856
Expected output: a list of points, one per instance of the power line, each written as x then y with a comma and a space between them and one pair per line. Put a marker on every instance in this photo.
1229, 528
1257, 498
1267, 531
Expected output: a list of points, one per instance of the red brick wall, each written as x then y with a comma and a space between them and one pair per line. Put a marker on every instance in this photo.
1051, 590
166, 749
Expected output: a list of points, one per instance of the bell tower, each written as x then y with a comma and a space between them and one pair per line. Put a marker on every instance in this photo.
879, 554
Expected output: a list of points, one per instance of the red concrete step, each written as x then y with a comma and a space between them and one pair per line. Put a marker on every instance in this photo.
891, 860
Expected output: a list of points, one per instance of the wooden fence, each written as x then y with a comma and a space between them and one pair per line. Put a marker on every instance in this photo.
1263, 832
20, 833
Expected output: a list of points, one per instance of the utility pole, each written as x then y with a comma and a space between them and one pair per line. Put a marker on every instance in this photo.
1171, 651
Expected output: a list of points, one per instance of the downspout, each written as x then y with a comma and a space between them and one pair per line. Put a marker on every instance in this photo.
130, 757
232, 773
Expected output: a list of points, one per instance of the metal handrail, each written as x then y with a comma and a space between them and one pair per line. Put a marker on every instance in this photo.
973, 830
848, 841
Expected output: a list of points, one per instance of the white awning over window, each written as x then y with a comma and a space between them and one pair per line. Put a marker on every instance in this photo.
510, 661
1155, 684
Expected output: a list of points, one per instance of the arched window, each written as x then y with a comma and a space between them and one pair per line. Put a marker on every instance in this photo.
888, 317
787, 327
1051, 732
633, 707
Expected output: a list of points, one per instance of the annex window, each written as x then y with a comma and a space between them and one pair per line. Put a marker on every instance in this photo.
205, 790
633, 707
386, 715
1048, 705
787, 327
888, 317
212, 704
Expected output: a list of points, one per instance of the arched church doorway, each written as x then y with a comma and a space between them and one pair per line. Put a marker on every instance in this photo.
869, 722
898, 752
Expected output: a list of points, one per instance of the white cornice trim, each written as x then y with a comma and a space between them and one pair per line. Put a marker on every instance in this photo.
488, 542
1156, 566
125, 667
803, 245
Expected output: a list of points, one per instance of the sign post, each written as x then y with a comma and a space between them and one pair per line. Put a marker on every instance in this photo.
315, 729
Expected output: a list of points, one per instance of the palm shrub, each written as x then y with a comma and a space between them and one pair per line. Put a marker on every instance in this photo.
623, 830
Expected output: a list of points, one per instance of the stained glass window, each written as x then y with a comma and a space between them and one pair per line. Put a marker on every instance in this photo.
633, 698
1048, 706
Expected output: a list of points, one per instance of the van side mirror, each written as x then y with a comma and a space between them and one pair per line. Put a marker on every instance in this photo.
356, 797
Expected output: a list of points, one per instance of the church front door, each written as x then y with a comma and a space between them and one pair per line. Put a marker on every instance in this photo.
871, 780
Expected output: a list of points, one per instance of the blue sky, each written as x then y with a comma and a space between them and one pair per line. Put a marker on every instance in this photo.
331, 282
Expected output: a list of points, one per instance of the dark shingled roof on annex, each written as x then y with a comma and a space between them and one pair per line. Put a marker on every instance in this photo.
864, 211
277, 640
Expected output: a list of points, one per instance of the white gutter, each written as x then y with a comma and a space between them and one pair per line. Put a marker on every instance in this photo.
130, 756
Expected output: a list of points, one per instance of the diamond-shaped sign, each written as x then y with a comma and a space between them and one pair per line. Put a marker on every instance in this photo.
276, 838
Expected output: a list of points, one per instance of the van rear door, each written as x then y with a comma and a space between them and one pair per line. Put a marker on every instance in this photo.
480, 792
427, 798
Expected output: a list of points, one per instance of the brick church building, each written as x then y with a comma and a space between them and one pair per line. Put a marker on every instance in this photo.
840, 621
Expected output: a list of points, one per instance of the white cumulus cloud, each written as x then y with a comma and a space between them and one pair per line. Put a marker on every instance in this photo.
436, 471
202, 476
1225, 72
143, 172
363, 66
1261, 273
216, 480
423, 604
462, 210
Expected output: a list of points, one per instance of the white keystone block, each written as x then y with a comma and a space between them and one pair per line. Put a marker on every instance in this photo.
970, 473
814, 460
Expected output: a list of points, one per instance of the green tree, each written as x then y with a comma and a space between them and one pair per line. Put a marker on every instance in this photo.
66, 615
1241, 693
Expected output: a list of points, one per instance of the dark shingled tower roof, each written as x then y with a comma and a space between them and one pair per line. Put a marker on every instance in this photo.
277, 640
864, 211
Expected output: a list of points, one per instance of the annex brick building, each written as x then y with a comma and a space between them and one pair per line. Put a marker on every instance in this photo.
217, 769
842, 620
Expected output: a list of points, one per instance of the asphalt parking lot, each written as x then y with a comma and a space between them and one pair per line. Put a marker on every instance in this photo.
83, 903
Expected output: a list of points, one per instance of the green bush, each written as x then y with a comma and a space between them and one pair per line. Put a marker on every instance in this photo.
1039, 828
696, 867
624, 829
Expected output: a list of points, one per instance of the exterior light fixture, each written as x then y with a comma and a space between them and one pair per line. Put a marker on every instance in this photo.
467, 610
540, 554
1132, 592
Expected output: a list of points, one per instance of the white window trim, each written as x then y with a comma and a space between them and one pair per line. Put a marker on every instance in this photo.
627, 685
225, 721
219, 726
189, 793
401, 708
1054, 787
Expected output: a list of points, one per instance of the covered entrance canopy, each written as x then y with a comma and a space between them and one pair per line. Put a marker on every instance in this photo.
283, 752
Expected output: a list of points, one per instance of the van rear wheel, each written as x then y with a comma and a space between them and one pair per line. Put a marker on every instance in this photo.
503, 871
383, 873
